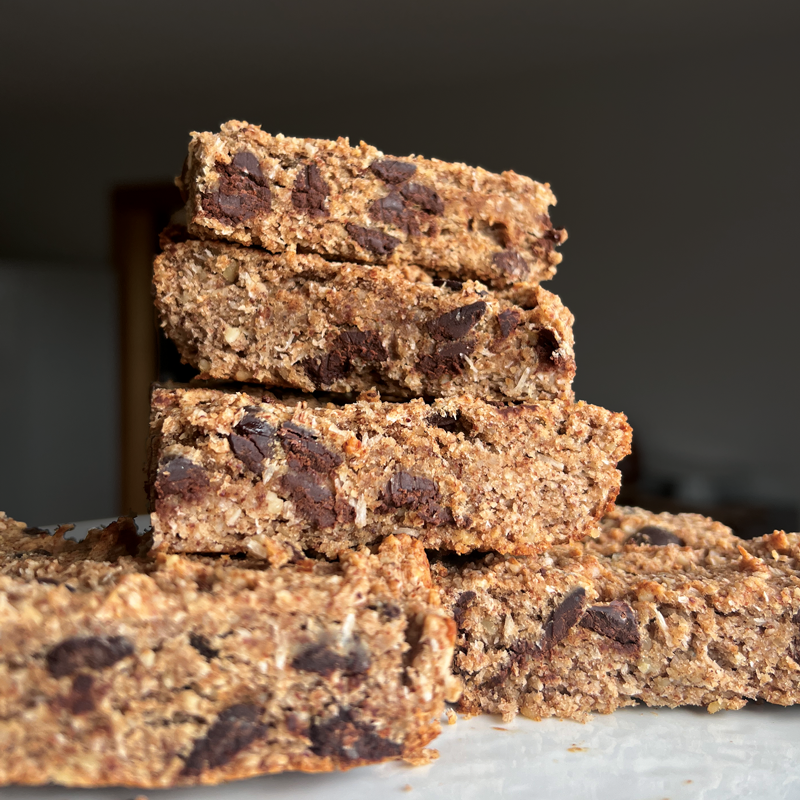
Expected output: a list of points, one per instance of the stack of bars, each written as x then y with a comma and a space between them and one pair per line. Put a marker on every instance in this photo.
434, 523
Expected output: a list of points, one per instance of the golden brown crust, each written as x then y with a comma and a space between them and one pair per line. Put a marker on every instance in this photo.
196, 670
355, 204
662, 609
231, 474
238, 313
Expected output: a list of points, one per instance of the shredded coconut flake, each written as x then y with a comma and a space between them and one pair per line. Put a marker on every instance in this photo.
523, 380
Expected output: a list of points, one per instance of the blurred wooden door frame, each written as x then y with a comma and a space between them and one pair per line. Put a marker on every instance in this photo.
139, 214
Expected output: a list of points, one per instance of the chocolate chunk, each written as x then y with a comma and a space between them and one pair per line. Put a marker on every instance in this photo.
247, 162
447, 423
80, 699
417, 494
563, 618
377, 242
252, 442
347, 738
461, 605
235, 729
304, 453
508, 321
322, 659
242, 191
392, 171
423, 196
327, 369
309, 192
457, 323
546, 346
391, 210
652, 534
182, 477
348, 345
311, 500
49, 581
512, 264
449, 283
447, 360
202, 645
86, 652
615, 620
366, 345
247, 453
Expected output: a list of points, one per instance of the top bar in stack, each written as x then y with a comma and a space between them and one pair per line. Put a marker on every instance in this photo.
355, 204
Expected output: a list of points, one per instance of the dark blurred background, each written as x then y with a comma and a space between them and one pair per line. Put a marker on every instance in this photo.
668, 130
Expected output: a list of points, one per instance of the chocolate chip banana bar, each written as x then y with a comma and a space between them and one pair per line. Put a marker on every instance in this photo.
239, 313
659, 609
356, 204
117, 670
229, 473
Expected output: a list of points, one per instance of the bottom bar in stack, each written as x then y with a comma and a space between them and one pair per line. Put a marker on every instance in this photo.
666, 610
117, 670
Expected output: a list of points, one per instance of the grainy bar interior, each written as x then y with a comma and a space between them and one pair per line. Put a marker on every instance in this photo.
356, 204
241, 314
234, 473
183, 670
660, 609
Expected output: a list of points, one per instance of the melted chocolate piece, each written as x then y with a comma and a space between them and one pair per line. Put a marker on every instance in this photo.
616, 620
349, 739
323, 660
512, 264
182, 477
457, 323
253, 440
423, 196
391, 171
377, 242
417, 494
81, 699
563, 618
86, 652
447, 360
310, 191
508, 321
242, 191
303, 452
391, 210
236, 728
314, 502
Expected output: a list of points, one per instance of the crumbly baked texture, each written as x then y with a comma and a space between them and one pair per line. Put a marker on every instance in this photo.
229, 473
666, 610
355, 204
238, 313
117, 670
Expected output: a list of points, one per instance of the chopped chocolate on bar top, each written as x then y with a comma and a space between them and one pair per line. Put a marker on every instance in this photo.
231, 472
662, 609
356, 204
182, 670
238, 313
